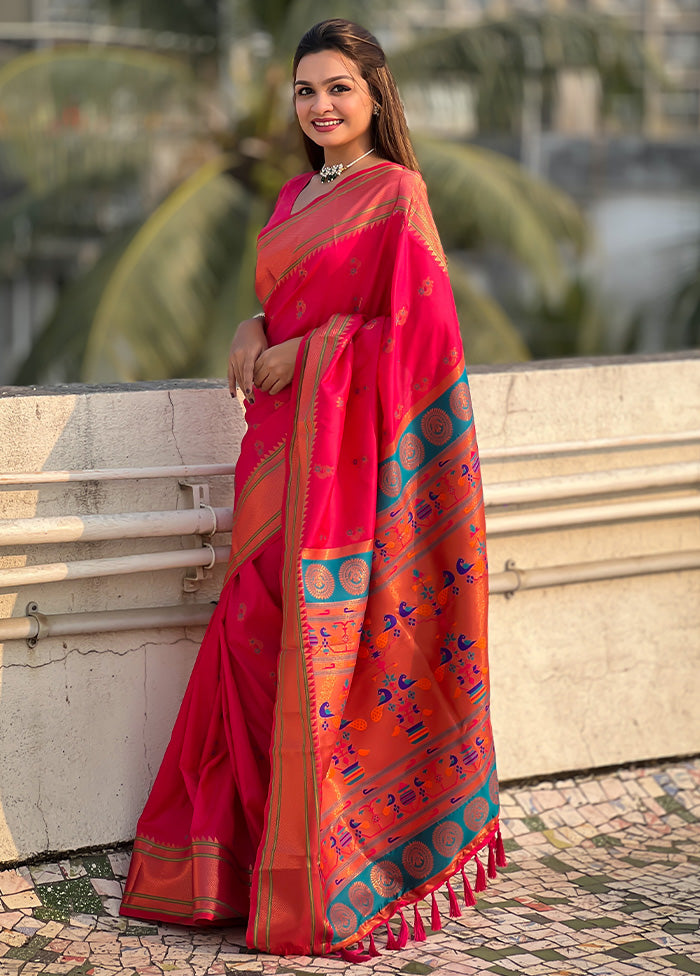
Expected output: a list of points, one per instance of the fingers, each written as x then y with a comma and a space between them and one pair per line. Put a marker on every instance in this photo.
234, 377
247, 374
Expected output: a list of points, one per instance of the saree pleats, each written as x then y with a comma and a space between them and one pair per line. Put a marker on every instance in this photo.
345, 767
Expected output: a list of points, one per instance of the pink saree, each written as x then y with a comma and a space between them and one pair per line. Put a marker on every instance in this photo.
332, 762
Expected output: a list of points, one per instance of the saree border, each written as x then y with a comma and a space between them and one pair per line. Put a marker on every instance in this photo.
293, 673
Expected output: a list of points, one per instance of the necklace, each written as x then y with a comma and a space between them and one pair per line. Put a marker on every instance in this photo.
330, 173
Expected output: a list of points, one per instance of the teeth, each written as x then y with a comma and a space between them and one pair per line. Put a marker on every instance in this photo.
327, 125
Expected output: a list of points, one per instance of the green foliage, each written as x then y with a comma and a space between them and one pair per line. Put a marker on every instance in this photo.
572, 325
502, 55
156, 308
479, 197
487, 333
164, 298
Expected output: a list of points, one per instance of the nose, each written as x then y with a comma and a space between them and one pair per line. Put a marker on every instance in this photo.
322, 102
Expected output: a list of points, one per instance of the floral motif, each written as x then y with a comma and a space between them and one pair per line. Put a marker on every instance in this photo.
475, 813
354, 575
417, 859
460, 402
447, 838
319, 581
390, 479
361, 897
301, 308
343, 919
426, 288
411, 451
436, 426
386, 878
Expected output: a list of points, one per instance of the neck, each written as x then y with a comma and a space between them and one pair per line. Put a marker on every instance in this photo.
332, 157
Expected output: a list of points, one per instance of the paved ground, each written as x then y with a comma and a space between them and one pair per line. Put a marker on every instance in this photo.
604, 878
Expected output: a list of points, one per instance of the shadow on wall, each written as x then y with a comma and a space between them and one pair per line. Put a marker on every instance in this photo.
84, 719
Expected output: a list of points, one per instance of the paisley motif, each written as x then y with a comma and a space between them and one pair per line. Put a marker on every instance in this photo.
436, 426
319, 581
354, 575
411, 451
386, 878
390, 479
417, 859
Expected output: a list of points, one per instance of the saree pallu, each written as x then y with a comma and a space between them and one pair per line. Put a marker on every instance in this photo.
333, 760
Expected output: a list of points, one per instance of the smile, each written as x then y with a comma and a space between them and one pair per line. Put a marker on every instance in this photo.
328, 124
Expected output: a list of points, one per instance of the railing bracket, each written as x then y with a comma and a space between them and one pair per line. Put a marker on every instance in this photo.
32, 611
199, 497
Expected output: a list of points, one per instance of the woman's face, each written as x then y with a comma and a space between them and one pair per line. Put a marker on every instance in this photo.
333, 105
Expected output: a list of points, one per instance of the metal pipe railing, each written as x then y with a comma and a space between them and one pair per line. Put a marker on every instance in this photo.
504, 523
612, 481
123, 525
115, 474
37, 625
514, 579
207, 520
487, 454
651, 441
206, 556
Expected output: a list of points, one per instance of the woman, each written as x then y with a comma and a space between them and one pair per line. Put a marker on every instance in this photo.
332, 761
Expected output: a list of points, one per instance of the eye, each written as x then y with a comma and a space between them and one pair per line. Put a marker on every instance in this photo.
303, 90
340, 88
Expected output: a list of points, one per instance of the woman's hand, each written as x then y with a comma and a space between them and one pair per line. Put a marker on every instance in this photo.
274, 368
248, 343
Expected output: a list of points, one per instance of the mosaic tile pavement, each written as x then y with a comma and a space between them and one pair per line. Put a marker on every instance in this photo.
603, 879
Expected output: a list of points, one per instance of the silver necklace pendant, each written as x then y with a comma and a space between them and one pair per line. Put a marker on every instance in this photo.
330, 173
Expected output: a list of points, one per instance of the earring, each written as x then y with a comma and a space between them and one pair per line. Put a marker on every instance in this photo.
375, 110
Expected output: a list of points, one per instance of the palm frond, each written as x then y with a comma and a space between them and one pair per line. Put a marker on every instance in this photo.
237, 300
57, 352
501, 56
155, 312
487, 333
531, 43
478, 197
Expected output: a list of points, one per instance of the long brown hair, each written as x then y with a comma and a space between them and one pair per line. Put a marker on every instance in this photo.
389, 131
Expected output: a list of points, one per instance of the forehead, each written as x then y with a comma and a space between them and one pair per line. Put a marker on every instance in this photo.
321, 65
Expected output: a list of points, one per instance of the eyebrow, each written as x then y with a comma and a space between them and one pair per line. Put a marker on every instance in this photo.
326, 82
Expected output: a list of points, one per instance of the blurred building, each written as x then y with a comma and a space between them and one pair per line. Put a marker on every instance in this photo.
669, 28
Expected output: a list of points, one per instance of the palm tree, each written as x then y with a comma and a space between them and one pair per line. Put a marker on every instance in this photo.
164, 295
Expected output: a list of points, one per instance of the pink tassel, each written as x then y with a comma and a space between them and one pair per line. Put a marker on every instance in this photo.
403, 931
455, 910
435, 922
373, 951
360, 946
469, 898
492, 860
418, 927
480, 875
391, 942
353, 955
500, 852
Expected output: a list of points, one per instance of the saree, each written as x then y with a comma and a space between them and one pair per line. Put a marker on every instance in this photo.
333, 760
